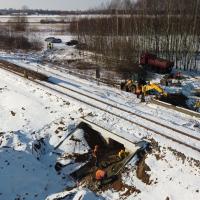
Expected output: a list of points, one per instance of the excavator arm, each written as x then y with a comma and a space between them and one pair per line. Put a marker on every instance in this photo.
153, 86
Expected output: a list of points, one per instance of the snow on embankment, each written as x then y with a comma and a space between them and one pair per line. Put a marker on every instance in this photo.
44, 119
192, 91
22, 175
32, 117
82, 194
191, 88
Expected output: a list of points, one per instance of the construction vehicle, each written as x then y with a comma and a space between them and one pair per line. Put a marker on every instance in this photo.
197, 105
134, 84
155, 63
142, 88
155, 87
172, 79
129, 85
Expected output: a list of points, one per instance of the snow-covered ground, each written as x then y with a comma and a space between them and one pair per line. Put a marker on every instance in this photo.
113, 96
26, 111
171, 176
34, 120
38, 18
32, 115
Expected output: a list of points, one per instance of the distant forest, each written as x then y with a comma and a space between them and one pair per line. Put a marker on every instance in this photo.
151, 7
123, 29
168, 28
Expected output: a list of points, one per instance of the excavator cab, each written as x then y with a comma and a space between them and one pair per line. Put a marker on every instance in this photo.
135, 84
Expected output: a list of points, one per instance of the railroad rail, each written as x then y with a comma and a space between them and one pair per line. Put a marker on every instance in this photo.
108, 82
116, 84
97, 102
28, 73
177, 108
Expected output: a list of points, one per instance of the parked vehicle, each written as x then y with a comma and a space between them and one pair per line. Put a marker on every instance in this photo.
156, 64
72, 42
56, 40
49, 39
53, 40
172, 79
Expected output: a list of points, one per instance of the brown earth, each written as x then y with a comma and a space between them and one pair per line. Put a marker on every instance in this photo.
191, 161
141, 171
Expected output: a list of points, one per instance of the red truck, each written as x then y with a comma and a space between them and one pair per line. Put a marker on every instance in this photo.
156, 64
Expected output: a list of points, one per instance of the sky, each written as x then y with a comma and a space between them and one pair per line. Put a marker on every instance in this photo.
52, 4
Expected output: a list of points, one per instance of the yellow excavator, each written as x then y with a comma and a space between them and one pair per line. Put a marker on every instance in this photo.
149, 88
142, 89
153, 86
132, 86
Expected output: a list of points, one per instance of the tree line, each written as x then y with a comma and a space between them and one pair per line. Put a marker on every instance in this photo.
14, 35
168, 28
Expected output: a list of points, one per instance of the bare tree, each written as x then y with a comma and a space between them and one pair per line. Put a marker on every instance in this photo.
168, 28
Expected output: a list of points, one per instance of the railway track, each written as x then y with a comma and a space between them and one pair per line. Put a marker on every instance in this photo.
116, 84
142, 121
104, 81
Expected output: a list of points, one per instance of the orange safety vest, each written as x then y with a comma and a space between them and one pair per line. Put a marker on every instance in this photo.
100, 174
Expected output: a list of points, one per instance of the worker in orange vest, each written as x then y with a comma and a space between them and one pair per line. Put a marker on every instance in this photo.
100, 175
95, 154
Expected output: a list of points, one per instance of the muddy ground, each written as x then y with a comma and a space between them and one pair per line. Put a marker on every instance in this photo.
142, 171
108, 161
